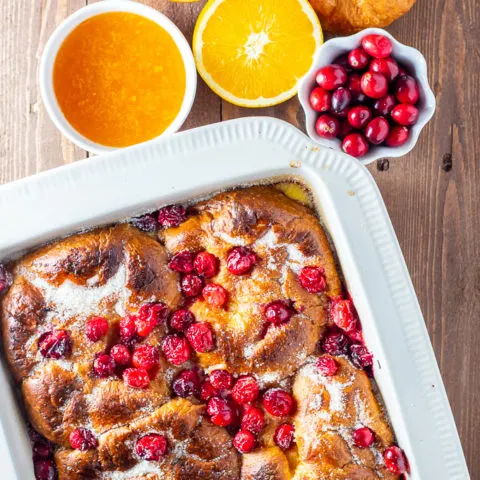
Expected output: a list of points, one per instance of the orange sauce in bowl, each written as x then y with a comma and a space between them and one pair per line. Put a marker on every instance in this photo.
119, 79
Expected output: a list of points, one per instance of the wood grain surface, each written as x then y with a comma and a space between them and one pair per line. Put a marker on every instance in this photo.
432, 194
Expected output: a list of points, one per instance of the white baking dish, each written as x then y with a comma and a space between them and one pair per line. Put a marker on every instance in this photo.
199, 162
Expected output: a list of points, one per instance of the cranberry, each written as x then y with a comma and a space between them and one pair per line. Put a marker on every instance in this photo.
82, 439
277, 402
215, 295
221, 413
383, 106
327, 126
363, 437
6, 279
244, 441
187, 384
377, 130
42, 448
221, 379
171, 216
374, 85
343, 315
45, 469
201, 338
206, 264
191, 285
377, 46
355, 145
331, 77
104, 366
356, 335
341, 98
241, 260
181, 320
406, 89
405, 114
345, 129
182, 262
207, 391
398, 136
335, 343
253, 420
245, 390
146, 357
121, 354
146, 223
342, 60
151, 447
358, 59
128, 329
387, 66
313, 279
327, 366
354, 85
354, 82
136, 378
176, 349
284, 436
320, 99
278, 311
395, 460
55, 344
96, 328
360, 356
149, 316
359, 116
341, 113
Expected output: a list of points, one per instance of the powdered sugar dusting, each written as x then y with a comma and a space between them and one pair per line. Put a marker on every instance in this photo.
316, 403
237, 241
363, 418
141, 468
334, 388
72, 300
248, 351
268, 379
295, 258
269, 240
378, 455
346, 435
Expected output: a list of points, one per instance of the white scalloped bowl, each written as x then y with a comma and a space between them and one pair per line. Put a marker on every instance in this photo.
408, 56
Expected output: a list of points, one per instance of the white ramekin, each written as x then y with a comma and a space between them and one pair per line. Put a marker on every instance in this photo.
64, 29
408, 56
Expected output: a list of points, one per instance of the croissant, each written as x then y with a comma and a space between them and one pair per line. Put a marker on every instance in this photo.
348, 16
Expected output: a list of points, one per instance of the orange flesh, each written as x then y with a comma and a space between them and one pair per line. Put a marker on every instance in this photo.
119, 79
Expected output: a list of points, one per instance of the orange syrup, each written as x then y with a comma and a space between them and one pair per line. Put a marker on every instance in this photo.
119, 79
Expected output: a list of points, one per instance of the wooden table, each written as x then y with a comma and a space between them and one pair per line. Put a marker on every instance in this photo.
432, 194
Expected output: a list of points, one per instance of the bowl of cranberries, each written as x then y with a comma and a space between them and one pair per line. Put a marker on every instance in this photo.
367, 95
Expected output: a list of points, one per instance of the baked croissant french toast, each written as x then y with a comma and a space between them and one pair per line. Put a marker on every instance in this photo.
221, 346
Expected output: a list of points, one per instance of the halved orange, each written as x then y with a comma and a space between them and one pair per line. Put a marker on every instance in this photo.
253, 53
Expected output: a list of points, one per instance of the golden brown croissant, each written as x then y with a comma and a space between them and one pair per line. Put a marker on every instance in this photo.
349, 16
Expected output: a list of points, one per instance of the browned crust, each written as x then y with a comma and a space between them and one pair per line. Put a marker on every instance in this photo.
349, 16
247, 216
59, 398
205, 455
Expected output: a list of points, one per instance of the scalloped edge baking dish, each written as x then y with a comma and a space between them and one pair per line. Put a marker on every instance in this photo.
199, 162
